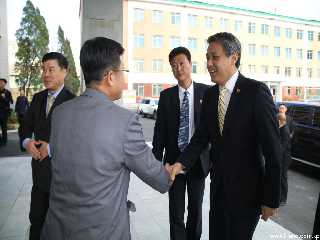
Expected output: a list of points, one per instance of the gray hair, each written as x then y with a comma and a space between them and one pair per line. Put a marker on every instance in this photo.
229, 43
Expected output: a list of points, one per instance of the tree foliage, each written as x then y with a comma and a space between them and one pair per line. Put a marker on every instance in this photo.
32, 39
72, 81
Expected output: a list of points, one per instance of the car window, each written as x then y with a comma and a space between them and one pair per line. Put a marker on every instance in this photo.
302, 114
145, 101
316, 118
156, 102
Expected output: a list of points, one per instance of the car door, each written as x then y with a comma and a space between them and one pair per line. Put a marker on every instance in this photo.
315, 138
302, 141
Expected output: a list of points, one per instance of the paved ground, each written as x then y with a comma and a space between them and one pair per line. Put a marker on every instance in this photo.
149, 222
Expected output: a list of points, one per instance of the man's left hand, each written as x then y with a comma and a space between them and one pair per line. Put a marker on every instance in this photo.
267, 212
43, 150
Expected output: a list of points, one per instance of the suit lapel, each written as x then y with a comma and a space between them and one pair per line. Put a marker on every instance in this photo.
196, 104
234, 104
176, 109
43, 104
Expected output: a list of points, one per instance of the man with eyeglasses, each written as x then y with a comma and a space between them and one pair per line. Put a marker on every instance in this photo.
95, 145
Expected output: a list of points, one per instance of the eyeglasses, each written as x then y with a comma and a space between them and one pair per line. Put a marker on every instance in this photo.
121, 70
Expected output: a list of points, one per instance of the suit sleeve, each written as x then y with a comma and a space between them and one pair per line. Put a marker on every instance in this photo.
140, 159
268, 134
199, 140
29, 119
159, 135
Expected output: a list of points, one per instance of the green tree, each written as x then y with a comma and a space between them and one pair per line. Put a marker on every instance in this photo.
32, 39
72, 81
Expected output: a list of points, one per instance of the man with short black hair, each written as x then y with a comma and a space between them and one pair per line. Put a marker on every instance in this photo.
178, 116
5, 101
95, 145
38, 123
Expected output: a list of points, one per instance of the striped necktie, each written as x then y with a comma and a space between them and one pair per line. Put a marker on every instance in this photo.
183, 137
50, 101
221, 108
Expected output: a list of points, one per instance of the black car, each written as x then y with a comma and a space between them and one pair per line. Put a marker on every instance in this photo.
306, 137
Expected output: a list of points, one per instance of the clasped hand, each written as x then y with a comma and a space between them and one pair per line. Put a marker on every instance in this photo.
173, 170
37, 149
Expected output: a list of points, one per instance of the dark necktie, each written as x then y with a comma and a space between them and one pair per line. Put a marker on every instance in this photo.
183, 136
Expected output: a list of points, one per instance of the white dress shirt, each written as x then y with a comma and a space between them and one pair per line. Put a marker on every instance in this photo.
229, 86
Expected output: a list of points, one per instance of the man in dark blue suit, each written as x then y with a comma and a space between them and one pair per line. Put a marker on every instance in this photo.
239, 118
177, 116
21, 108
5, 101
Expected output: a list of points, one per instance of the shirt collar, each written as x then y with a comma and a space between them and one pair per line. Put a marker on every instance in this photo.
189, 90
56, 93
231, 82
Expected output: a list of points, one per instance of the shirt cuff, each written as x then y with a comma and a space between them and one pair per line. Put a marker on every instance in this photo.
25, 142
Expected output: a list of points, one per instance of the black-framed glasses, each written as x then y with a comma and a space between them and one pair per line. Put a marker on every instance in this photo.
121, 70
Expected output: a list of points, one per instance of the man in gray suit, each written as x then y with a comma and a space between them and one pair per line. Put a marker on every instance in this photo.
95, 144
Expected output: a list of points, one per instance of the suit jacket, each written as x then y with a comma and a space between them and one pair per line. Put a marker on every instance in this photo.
166, 128
5, 101
246, 158
36, 123
22, 105
95, 145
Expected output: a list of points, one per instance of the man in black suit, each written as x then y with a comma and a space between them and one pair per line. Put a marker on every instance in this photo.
21, 108
5, 101
37, 122
177, 116
239, 118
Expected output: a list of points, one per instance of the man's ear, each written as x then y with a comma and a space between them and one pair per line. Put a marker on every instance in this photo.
234, 58
108, 78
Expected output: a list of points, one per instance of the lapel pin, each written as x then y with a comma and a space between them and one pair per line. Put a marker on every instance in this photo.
238, 90
200, 101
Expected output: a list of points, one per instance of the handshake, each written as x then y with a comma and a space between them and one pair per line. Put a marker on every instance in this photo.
174, 170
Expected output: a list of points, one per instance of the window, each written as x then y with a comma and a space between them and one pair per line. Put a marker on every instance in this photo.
265, 29
156, 89
138, 65
276, 31
157, 41
302, 114
224, 23
264, 69
208, 22
237, 25
288, 33
309, 54
299, 34
309, 70
175, 18
310, 35
299, 54
288, 91
319, 36
139, 89
264, 50
251, 27
252, 68
252, 49
157, 65
277, 51
288, 53
299, 72
298, 91
138, 15
138, 40
192, 43
192, 20
157, 16
194, 67
174, 42
287, 71
276, 70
